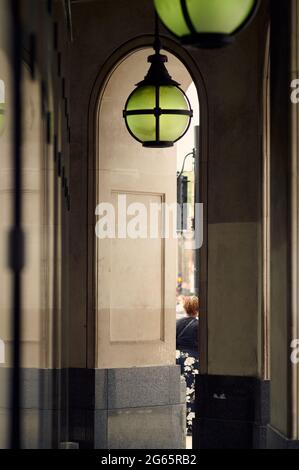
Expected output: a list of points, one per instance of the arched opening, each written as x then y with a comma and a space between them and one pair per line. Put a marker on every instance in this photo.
139, 278
146, 176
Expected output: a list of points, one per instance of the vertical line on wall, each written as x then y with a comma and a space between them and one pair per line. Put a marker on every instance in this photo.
266, 218
16, 234
294, 62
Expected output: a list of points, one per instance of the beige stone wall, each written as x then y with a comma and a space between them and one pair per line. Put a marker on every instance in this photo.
6, 194
5, 219
230, 263
38, 224
43, 206
33, 197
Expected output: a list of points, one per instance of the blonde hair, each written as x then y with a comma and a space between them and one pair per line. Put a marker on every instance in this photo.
191, 305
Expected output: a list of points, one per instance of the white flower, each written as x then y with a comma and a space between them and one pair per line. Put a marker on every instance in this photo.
189, 361
190, 416
177, 354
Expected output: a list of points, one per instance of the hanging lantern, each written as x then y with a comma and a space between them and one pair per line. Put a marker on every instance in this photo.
158, 112
206, 23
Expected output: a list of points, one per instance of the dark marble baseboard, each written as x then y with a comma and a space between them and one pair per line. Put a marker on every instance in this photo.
124, 388
276, 440
115, 408
43, 406
106, 407
232, 412
40, 388
157, 427
140, 407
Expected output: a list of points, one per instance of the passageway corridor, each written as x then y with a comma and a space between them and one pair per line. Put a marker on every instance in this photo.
149, 249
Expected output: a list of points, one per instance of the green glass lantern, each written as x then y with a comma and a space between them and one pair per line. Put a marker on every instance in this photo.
158, 112
206, 23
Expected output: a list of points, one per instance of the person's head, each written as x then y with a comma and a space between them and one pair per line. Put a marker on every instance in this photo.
191, 306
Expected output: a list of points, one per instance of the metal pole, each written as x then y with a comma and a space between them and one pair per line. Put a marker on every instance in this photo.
196, 201
16, 239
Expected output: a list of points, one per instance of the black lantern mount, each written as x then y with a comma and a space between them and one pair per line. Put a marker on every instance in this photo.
158, 112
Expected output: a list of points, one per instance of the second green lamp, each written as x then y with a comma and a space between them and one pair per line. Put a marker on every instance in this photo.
206, 23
